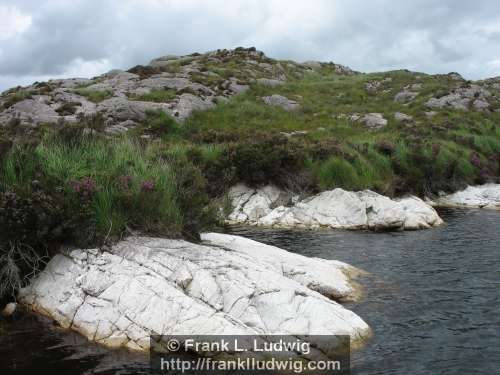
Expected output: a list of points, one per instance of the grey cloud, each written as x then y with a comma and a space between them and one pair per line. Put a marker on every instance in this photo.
424, 35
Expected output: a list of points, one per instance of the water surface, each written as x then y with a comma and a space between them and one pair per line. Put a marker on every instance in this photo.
432, 296
432, 300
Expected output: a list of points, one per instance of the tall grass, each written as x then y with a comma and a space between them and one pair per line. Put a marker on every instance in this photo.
122, 183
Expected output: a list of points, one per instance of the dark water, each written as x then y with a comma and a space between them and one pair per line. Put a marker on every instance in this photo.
432, 300
432, 297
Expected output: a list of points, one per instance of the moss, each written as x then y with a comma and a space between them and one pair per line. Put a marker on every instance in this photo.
144, 71
156, 95
95, 96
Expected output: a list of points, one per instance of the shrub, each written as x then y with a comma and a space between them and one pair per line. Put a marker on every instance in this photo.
269, 160
336, 172
159, 123
144, 71
68, 108
33, 224
90, 172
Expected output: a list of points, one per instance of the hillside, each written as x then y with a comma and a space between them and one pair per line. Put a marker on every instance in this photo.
329, 102
150, 148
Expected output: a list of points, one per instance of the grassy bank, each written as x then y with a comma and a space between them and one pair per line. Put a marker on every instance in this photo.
91, 190
441, 150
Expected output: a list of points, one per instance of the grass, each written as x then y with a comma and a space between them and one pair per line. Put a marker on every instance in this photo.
94, 96
123, 183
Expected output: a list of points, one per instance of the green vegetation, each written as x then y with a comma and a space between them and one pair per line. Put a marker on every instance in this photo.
424, 156
15, 96
86, 190
95, 96
156, 95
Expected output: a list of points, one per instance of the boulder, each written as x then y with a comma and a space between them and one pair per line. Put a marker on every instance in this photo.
9, 309
405, 96
373, 86
86, 107
226, 285
454, 101
480, 105
374, 121
482, 196
31, 111
237, 88
281, 101
188, 103
461, 98
251, 204
402, 117
337, 209
122, 109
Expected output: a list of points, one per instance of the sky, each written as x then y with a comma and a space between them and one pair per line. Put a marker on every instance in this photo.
84, 38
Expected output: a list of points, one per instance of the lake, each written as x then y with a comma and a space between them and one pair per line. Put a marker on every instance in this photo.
432, 298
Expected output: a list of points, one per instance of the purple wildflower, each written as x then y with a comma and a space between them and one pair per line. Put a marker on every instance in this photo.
148, 185
475, 160
85, 187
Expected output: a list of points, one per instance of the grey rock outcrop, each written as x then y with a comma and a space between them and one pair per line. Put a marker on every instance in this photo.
461, 99
226, 285
281, 101
405, 96
373, 86
188, 84
402, 117
34, 111
482, 196
337, 209
374, 121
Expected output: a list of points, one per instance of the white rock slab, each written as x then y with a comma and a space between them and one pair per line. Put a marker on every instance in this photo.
336, 208
229, 285
482, 196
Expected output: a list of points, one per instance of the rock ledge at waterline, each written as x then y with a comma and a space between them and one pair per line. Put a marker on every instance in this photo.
226, 285
482, 196
338, 208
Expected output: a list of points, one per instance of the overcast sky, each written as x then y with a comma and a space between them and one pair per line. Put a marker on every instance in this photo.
55, 38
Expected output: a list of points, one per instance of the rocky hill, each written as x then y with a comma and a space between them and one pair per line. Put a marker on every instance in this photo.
177, 85
394, 132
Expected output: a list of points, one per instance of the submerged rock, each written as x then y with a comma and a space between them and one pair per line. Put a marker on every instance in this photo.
482, 196
9, 309
336, 208
226, 285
